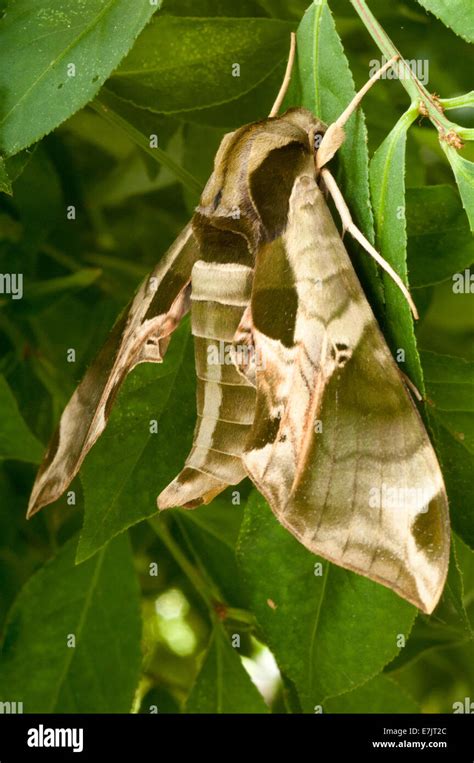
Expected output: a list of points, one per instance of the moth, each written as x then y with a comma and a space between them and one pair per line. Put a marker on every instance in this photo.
312, 406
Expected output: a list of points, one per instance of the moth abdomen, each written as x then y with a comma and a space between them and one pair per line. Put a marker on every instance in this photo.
225, 398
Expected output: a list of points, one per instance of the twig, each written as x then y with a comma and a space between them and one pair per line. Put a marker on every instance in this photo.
218, 609
448, 131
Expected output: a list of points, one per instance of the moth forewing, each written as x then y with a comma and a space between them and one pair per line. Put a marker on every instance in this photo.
338, 447
140, 335
235, 217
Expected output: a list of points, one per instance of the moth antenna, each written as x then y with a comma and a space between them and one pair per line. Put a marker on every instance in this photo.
342, 119
334, 136
411, 386
349, 225
286, 79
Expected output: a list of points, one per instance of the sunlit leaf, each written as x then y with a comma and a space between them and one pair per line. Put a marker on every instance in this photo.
223, 685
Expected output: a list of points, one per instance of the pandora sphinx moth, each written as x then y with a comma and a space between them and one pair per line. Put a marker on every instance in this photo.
316, 412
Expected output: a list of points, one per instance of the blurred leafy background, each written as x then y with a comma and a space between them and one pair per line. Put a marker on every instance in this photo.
194, 610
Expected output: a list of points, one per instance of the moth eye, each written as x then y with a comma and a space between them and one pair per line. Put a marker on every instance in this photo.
318, 136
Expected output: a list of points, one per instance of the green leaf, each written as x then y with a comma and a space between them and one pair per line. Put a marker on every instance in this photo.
133, 172
448, 626
466, 100
323, 84
161, 699
130, 465
464, 174
450, 389
379, 695
97, 603
451, 611
439, 240
167, 77
465, 562
284, 8
387, 182
38, 196
200, 147
16, 440
87, 327
5, 181
456, 14
223, 685
52, 36
137, 123
249, 107
43, 293
302, 614
244, 8
15, 165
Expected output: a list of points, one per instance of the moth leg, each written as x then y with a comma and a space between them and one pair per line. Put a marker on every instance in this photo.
286, 79
335, 136
244, 348
412, 387
349, 225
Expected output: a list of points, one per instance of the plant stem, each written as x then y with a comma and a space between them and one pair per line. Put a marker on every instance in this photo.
465, 101
213, 589
137, 137
417, 92
163, 533
218, 610
241, 616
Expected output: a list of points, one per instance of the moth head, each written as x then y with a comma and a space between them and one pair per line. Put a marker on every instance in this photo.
254, 172
313, 128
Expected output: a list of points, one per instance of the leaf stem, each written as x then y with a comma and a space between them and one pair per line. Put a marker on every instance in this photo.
193, 575
428, 105
218, 609
465, 101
